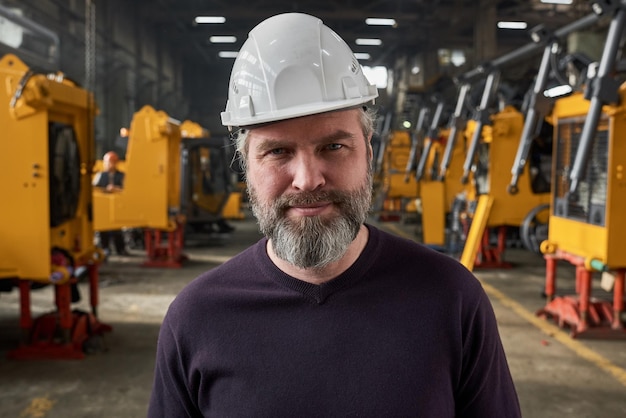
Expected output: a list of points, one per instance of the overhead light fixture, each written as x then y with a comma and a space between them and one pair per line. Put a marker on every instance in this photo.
210, 19
366, 41
227, 54
362, 55
557, 1
223, 39
558, 91
376, 21
512, 25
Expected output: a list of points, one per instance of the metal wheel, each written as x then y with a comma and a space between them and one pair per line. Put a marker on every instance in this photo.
534, 228
64, 173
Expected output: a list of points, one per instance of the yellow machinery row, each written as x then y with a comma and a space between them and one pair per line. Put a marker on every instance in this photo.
46, 231
585, 223
52, 210
587, 227
486, 201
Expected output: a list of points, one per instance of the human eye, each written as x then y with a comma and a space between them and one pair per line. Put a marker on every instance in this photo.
334, 147
271, 149
276, 152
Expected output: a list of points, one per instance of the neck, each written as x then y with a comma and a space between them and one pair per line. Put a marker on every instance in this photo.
326, 273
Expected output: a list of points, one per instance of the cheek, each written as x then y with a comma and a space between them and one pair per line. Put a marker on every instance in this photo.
350, 174
267, 184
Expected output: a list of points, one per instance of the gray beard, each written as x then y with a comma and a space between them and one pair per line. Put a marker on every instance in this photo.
313, 242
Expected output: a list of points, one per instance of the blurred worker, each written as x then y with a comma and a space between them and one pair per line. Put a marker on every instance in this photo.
327, 316
111, 180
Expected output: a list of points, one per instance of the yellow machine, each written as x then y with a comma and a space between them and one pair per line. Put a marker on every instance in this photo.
443, 196
495, 207
205, 175
233, 208
587, 228
209, 179
46, 232
587, 223
151, 197
438, 197
398, 193
191, 129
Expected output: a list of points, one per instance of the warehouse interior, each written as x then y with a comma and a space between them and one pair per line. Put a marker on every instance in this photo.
136, 53
498, 142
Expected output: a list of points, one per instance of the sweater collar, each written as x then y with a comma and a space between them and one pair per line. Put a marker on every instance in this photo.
319, 293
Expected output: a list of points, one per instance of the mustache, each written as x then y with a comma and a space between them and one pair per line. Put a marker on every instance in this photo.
309, 198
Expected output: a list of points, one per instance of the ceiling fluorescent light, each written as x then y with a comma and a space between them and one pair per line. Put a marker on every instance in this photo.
210, 19
557, 1
223, 39
365, 41
512, 25
558, 91
227, 54
380, 22
362, 55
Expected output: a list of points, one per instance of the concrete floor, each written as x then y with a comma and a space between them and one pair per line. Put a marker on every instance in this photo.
556, 376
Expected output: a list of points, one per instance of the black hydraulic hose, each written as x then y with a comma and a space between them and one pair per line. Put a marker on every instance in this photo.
604, 91
428, 144
415, 142
20, 88
481, 118
532, 120
384, 136
431, 137
457, 124
530, 48
539, 105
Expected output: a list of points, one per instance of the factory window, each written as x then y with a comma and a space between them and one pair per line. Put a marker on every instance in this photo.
376, 75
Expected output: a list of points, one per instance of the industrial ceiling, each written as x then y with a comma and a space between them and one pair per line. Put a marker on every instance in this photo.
422, 25
422, 29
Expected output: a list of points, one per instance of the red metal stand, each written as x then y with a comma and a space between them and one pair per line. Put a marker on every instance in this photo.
165, 253
61, 334
489, 256
583, 314
392, 210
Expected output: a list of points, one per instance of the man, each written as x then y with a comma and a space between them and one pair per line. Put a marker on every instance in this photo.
111, 180
326, 316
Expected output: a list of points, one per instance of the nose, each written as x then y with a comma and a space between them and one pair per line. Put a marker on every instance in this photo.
308, 173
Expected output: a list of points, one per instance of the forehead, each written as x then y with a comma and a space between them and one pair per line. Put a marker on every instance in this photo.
311, 127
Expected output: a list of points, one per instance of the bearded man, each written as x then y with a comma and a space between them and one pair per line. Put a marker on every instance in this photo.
326, 316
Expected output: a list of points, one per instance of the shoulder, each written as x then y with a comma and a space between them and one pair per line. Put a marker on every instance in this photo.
409, 253
100, 179
413, 261
220, 284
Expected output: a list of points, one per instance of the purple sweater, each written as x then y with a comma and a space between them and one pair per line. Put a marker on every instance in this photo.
404, 332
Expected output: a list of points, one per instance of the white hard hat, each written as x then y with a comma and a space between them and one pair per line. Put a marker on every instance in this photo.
293, 65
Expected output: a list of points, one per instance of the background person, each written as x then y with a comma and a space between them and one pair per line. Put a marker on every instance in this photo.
111, 180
